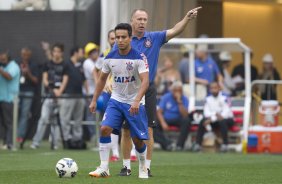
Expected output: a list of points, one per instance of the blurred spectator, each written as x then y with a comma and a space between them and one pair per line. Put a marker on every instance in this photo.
92, 54
81, 54
28, 83
217, 113
228, 84
166, 76
173, 110
206, 71
73, 108
30, 5
269, 72
238, 75
111, 41
183, 68
9, 89
55, 80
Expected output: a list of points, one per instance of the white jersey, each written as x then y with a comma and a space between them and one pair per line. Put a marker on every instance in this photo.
88, 67
220, 104
125, 71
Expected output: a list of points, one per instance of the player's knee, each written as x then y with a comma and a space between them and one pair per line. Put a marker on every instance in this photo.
106, 131
126, 133
138, 143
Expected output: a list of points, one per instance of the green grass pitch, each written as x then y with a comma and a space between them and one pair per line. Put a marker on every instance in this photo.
37, 166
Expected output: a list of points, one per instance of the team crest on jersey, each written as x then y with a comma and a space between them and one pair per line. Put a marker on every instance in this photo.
129, 65
148, 43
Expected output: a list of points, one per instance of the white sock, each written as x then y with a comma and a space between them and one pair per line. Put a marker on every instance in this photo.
126, 163
142, 157
133, 150
115, 150
148, 164
104, 151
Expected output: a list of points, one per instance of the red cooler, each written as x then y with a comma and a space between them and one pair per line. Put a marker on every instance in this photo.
269, 110
269, 138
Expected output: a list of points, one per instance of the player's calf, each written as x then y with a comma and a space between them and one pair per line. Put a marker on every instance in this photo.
104, 151
141, 150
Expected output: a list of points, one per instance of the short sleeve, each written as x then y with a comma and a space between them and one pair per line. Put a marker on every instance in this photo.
143, 65
99, 63
13, 69
160, 37
106, 67
65, 69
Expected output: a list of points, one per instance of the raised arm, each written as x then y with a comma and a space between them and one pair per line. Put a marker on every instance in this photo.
180, 26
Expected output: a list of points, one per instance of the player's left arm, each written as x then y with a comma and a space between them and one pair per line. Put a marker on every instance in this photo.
180, 26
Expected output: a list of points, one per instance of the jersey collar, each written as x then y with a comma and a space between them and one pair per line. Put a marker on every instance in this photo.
144, 36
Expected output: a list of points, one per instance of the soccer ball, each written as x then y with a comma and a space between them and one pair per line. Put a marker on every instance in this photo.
66, 168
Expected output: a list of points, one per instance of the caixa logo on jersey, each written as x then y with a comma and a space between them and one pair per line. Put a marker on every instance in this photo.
125, 79
129, 65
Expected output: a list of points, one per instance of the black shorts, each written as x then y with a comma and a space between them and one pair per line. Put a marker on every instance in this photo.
150, 106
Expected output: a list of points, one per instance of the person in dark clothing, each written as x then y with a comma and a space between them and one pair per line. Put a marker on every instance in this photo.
73, 108
28, 82
239, 72
55, 79
269, 72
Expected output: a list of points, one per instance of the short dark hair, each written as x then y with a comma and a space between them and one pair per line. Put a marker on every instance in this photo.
109, 32
124, 26
74, 50
185, 54
138, 9
7, 53
26, 49
213, 82
59, 45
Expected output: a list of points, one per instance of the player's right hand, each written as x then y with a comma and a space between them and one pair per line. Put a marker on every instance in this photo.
92, 106
134, 109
